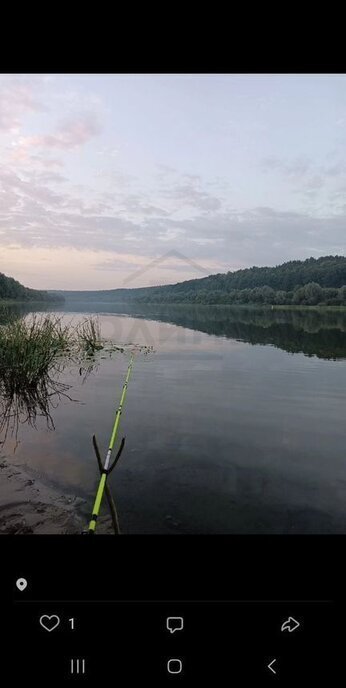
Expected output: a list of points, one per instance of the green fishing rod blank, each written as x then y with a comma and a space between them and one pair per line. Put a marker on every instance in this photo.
102, 483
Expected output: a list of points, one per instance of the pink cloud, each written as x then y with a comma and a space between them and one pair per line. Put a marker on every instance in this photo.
50, 163
69, 135
15, 100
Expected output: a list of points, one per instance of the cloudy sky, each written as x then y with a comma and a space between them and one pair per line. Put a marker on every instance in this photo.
130, 180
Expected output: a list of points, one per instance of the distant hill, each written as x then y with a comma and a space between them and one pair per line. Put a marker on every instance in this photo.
309, 282
12, 290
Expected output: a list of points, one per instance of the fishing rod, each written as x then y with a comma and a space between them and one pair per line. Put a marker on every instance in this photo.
106, 468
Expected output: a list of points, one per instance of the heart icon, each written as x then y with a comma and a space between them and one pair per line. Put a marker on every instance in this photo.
49, 622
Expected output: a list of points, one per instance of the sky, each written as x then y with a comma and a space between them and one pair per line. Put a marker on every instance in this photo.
112, 181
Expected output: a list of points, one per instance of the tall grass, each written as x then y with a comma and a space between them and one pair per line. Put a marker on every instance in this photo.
33, 351
29, 347
89, 335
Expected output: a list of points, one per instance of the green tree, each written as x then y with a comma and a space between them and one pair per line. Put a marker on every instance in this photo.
313, 293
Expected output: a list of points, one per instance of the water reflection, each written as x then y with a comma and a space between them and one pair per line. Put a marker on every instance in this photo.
19, 406
222, 435
311, 332
23, 404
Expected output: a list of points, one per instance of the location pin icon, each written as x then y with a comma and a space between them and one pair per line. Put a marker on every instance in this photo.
21, 584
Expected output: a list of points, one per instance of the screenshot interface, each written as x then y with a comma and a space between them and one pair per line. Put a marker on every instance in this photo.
165, 617
172, 379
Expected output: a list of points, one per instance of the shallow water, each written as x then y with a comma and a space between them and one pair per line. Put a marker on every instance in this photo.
236, 424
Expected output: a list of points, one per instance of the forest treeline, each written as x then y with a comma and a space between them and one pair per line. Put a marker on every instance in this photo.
12, 290
315, 281
311, 282
311, 294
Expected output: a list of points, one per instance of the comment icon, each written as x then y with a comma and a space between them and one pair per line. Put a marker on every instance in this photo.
174, 623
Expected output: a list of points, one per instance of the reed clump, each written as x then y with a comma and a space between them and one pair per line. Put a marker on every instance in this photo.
89, 336
29, 348
33, 352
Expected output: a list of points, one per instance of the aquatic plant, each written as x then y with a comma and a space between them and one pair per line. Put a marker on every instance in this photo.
28, 348
34, 351
89, 335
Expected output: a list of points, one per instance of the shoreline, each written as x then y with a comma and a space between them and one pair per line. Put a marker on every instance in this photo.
28, 506
17, 302
250, 306
190, 304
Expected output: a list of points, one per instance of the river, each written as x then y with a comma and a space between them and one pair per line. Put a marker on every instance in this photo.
234, 424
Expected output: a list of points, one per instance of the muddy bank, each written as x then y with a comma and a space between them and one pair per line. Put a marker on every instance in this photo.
28, 506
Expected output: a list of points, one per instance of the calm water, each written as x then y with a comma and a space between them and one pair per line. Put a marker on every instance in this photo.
236, 424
